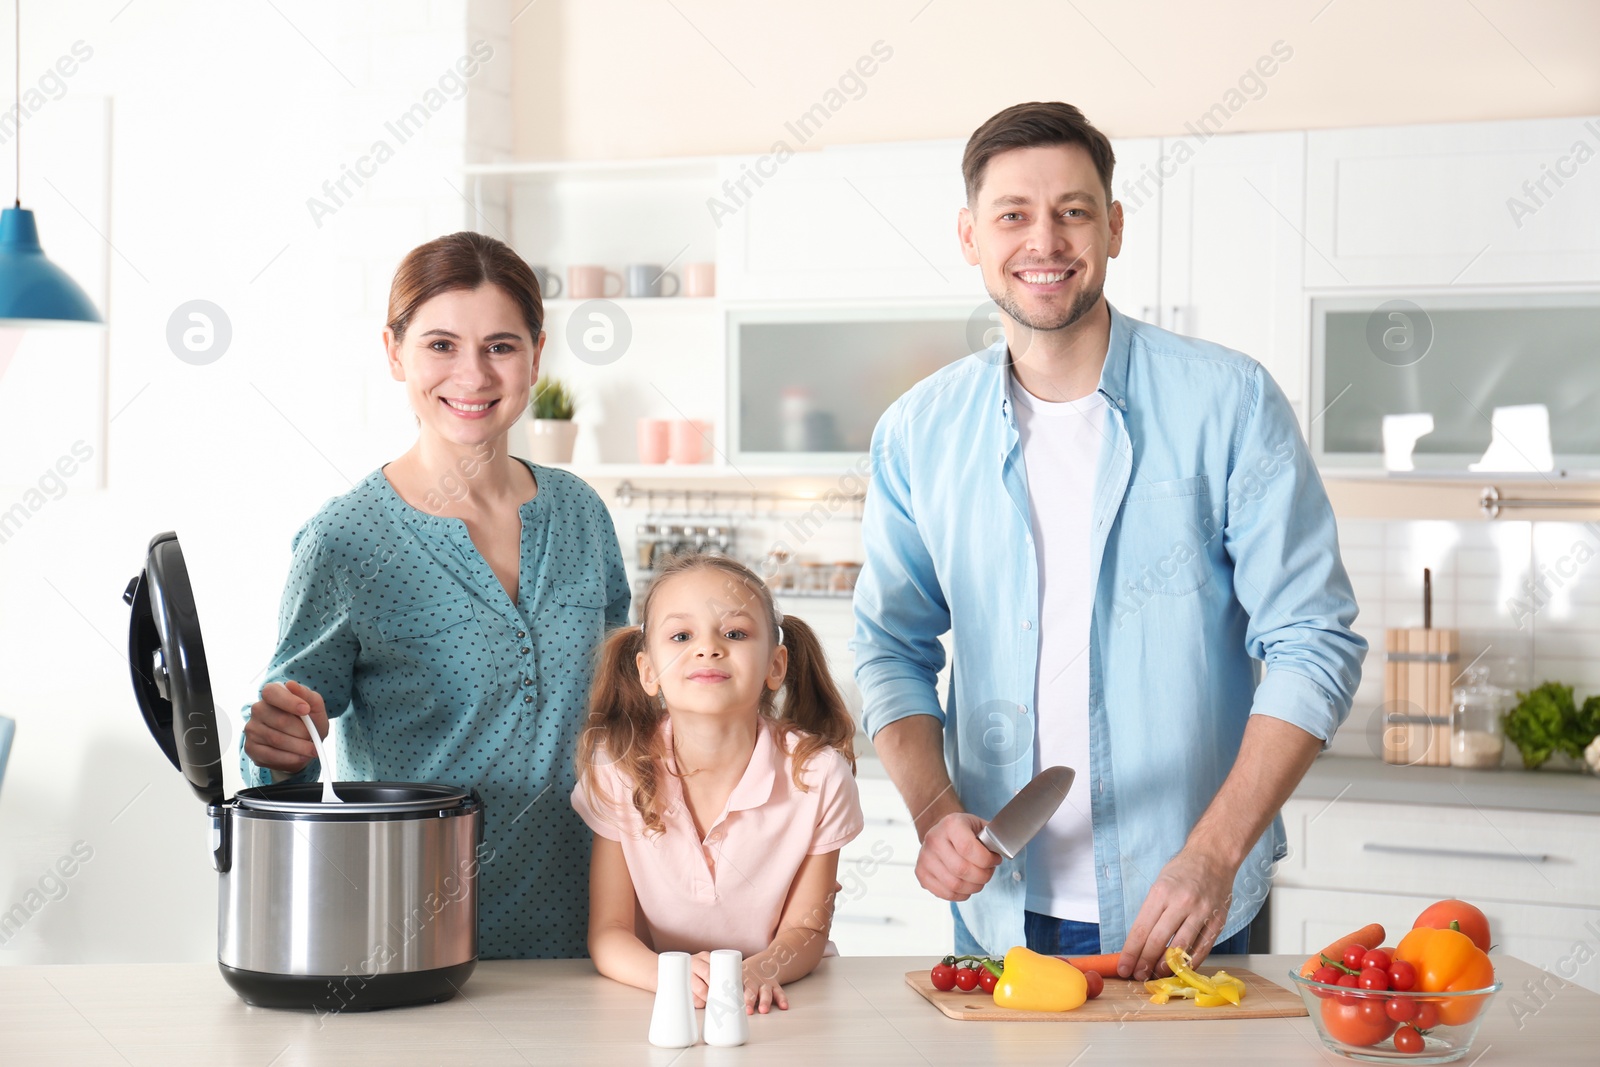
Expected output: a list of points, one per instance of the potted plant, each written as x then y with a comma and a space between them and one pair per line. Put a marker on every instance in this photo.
551, 431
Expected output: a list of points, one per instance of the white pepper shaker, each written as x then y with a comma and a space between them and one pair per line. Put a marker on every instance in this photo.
726, 1021
672, 1022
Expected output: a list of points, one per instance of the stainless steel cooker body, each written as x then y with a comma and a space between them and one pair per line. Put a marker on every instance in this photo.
347, 907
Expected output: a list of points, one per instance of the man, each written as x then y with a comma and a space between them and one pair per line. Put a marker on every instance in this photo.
1119, 528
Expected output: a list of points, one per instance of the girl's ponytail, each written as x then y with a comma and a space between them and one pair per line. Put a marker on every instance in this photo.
811, 700
621, 729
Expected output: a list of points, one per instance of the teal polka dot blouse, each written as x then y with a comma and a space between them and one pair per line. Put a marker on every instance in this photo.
432, 674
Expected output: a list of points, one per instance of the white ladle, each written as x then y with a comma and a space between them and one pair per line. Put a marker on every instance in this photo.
328, 795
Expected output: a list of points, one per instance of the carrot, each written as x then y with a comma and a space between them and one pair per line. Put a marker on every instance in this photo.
1105, 966
1369, 936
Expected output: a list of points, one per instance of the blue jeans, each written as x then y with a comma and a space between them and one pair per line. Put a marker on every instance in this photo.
1068, 937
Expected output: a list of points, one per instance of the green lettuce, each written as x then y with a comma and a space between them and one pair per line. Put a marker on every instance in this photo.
1548, 720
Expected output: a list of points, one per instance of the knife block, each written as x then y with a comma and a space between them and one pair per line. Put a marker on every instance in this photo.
1419, 667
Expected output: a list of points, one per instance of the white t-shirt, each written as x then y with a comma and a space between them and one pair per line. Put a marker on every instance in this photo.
1061, 451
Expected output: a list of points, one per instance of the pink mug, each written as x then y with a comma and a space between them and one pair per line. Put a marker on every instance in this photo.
700, 279
691, 440
655, 437
589, 283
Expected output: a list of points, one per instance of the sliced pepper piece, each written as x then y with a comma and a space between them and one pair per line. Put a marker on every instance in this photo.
1178, 963
1212, 1000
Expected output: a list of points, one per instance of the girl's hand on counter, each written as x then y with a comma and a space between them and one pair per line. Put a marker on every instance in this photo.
700, 977
763, 995
275, 737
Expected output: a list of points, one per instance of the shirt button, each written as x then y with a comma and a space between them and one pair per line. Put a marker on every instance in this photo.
527, 681
527, 699
1101, 783
1122, 403
1026, 625
1107, 871
525, 650
1016, 876
1022, 709
521, 634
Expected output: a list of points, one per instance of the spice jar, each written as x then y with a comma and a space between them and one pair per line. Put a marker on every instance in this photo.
1476, 739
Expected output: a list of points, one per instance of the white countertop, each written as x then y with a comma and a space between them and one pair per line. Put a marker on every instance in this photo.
854, 1010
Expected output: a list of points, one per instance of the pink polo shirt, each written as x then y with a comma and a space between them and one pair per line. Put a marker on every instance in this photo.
728, 890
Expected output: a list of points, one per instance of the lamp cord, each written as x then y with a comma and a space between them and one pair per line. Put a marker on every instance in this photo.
18, 111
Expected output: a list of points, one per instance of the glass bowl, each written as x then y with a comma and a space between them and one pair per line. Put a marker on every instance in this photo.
1347, 1020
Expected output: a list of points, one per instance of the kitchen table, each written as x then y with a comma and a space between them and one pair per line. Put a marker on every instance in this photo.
855, 1010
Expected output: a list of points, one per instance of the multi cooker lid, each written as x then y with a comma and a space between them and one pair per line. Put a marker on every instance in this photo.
167, 660
360, 798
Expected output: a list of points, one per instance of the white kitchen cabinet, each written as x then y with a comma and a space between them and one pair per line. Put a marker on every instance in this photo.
1354, 862
1231, 264
849, 222
1133, 279
1471, 203
882, 909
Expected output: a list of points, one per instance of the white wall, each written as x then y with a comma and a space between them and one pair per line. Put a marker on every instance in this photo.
227, 118
722, 76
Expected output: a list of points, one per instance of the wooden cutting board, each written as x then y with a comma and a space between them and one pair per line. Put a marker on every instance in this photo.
1122, 1001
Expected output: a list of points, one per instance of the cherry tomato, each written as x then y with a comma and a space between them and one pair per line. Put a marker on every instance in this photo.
1327, 975
1354, 955
1375, 958
1468, 919
1096, 982
1349, 981
1401, 1009
1406, 1039
1402, 976
1373, 978
1358, 1022
987, 979
1427, 1015
966, 979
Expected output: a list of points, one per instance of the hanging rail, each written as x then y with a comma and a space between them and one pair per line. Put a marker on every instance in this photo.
1491, 503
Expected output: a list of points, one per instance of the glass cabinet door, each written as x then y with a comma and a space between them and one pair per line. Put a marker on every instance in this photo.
809, 386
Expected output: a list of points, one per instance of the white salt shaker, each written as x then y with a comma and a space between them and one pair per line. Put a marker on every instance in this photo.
726, 1022
672, 1022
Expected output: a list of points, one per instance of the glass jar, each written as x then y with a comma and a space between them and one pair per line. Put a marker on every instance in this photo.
647, 535
1476, 738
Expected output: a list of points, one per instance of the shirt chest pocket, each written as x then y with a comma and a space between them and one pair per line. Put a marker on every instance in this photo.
572, 621
443, 638
1167, 537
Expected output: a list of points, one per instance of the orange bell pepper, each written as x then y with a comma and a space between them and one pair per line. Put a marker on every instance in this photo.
1030, 981
1448, 962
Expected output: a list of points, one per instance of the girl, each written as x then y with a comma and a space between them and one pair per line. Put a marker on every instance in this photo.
718, 814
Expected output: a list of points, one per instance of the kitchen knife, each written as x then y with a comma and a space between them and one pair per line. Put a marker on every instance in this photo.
1025, 814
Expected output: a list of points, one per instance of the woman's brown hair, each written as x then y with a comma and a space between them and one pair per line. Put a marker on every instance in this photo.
624, 721
463, 260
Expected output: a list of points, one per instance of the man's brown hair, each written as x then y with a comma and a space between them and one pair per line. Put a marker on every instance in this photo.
1030, 126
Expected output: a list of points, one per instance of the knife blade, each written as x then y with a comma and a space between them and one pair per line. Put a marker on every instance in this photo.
1025, 814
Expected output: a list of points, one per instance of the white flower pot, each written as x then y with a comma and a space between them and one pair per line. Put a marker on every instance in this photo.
550, 441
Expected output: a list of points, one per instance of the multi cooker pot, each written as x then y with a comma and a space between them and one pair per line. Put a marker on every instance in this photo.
372, 903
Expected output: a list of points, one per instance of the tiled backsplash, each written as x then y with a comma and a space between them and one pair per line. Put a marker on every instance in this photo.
1525, 596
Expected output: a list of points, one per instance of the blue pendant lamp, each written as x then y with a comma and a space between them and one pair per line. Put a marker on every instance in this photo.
33, 290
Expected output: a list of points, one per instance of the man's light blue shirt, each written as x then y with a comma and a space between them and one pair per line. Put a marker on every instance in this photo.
1214, 555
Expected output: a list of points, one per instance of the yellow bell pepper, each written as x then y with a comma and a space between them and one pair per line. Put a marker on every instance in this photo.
1178, 964
1034, 982
1213, 992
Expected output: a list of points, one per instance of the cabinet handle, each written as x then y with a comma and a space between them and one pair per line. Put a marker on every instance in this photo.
1148, 313
1459, 853
865, 920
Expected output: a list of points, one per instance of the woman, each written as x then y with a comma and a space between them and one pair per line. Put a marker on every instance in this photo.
445, 611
